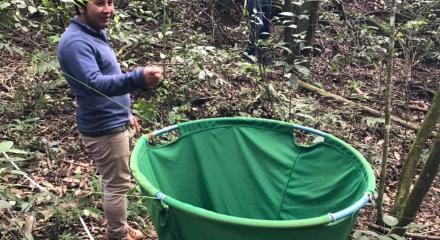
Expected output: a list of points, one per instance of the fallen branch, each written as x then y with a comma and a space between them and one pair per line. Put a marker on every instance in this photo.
418, 108
372, 111
412, 235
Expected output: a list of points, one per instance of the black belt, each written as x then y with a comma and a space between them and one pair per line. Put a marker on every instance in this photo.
119, 129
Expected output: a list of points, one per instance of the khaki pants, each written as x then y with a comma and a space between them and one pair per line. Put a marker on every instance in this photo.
111, 154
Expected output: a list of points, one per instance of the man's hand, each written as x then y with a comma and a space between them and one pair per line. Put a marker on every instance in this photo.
134, 124
152, 75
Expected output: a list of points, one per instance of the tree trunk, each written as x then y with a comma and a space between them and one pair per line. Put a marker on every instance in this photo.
288, 32
302, 26
305, 27
311, 28
388, 106
303, 9
413, 157
419, 191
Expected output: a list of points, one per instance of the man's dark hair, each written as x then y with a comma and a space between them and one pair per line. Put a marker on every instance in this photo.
79, 4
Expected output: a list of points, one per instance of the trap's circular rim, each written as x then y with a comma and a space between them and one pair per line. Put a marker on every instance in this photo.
329, 218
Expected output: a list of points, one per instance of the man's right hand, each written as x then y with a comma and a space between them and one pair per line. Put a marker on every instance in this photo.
153, 75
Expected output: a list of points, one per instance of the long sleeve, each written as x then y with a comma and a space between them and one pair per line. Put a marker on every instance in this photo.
82, 64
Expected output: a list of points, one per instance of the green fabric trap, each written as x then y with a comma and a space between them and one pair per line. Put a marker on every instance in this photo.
247, 178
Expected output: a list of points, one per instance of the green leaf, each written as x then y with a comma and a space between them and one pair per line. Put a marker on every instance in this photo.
357, 234
4, 146
372, 121
272, 89
92, 212
31, 120
47, 213
32, 9
279, 63
54, 39
25, 206
17, 172
14, 159
286, 49
287, 14
16, 151
306, 47
397, 237
306, 17
29, 236
4, 5
415, 226
5, 204
363, 238
390, 220
7, 148
384, 238
19, 51
360, 233
287, 22
305, 71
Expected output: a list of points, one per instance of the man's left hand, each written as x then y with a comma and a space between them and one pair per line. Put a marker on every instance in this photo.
134, 124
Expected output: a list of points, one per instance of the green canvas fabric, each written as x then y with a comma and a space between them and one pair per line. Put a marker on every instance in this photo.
241, 178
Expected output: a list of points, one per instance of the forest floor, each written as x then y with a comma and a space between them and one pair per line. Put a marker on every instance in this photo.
205, 77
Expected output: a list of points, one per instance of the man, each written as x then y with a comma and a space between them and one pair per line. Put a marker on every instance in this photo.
103, 105
260, 13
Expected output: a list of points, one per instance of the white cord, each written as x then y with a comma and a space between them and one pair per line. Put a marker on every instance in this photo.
85, 227
42, 189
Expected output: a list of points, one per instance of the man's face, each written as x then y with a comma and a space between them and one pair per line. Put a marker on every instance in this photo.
99, 13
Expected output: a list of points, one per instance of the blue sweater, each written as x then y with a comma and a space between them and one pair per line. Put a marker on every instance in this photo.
90, 66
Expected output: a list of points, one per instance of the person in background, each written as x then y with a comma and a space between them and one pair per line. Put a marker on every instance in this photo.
103, 113
259, 13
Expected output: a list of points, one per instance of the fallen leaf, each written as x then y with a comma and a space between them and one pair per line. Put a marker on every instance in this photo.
68, 179
396, 155
367, 139
47, 213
